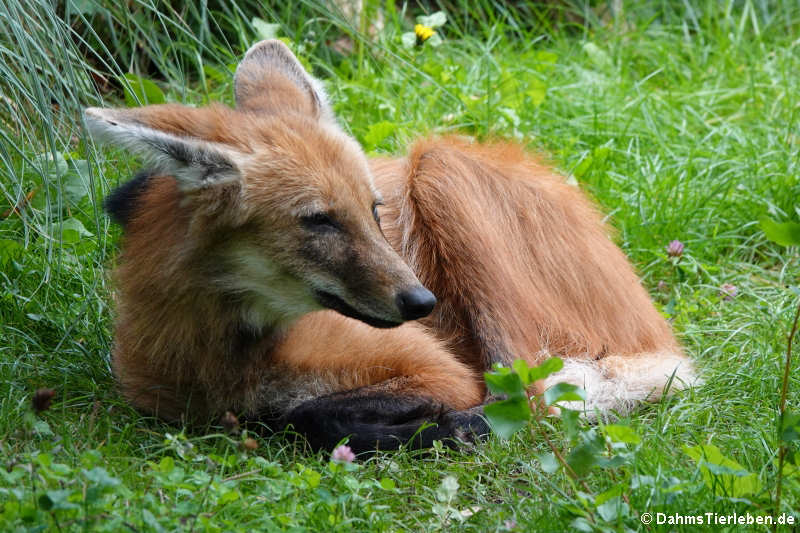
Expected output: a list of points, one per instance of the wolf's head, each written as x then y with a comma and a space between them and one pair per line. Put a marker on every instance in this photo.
280, 201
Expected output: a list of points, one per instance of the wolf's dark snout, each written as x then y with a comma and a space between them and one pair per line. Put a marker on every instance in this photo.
416, 302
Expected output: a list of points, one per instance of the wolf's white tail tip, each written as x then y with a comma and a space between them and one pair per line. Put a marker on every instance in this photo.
619, 383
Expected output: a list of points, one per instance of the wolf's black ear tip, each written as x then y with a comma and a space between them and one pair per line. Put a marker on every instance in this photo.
121, 203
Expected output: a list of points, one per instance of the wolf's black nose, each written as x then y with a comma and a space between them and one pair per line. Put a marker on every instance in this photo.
416, 302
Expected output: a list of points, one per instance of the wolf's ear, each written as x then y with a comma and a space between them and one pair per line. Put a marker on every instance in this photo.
195, 163
270, 78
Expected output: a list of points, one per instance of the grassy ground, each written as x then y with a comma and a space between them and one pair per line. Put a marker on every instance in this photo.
681, 121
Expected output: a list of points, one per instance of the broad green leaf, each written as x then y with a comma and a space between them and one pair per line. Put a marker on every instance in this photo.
548, 461
434, 40
141, 91
60, 469
601, 154
612, 509
622, 434
228, 497
522, 370
150, 520
564, 392
75, 185
598, 56
790, 429
506, 417
547, 368
312, 477
42, 428
583, 167
50, 170
51, 166
614, 492
510, 93
571, 419
44, 197
783, 233
53, 500
265, 30
13, 478
434, 20
789, 469
537, 91
642, 481
585, 455
377, 132
90, 458
723, 475
9, 251
72, 230
85, 7
166, 465
325, 496
387, 483
503, 381
581, 459
448, 489
100, 477
611, 462
581, 524
433, 68
546, 60
409, 39
725, 470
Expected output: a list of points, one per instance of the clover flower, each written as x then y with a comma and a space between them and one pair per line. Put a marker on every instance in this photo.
728, 291
343, 454
675, 248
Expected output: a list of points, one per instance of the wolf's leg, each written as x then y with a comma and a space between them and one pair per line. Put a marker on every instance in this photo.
383, 417
156, 394
333, 377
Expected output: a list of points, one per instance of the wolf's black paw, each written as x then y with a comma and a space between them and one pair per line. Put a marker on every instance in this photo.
384, 422
469, 426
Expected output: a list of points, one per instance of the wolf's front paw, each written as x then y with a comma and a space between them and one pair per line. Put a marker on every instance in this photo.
467, 426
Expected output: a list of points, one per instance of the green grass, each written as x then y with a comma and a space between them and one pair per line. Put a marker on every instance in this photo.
679, 118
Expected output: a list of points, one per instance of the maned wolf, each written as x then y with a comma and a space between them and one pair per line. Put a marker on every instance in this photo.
270, 269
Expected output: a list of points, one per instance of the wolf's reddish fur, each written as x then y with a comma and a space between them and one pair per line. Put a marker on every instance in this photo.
521, 263
517, 255
175, 347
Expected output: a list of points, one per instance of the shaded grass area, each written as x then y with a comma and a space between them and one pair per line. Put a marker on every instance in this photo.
680, 121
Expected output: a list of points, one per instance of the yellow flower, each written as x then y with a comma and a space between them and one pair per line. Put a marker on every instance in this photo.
423, 32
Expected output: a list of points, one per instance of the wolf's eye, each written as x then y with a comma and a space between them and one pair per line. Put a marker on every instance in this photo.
319, 222
375, 214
